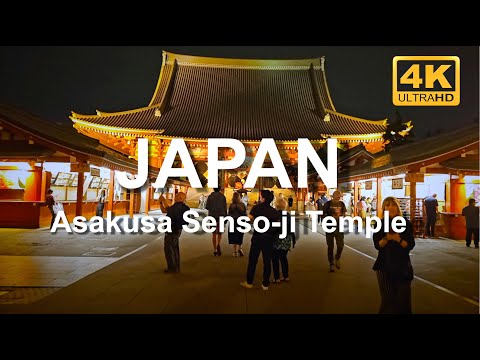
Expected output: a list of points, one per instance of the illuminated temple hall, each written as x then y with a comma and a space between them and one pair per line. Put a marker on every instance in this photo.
197, 98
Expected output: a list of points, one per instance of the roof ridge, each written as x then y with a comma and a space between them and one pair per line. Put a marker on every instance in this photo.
219, 61
107, 128
350, 117
110, 114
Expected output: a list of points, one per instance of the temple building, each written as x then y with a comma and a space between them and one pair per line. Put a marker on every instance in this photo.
197, 98
37, 155
445, 164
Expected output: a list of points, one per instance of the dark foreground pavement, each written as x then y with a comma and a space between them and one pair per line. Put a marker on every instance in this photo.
132, 281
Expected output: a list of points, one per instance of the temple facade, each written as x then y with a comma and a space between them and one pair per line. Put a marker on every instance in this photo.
197, 98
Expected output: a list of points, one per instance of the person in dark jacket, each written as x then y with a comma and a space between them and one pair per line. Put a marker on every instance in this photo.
430, 208
50, 201
101, 203
262, 242
290, 202
217, 206
471, 214
335, 208
171, 244
393, 266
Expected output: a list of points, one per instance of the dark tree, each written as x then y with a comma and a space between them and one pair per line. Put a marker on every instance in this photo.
396, 133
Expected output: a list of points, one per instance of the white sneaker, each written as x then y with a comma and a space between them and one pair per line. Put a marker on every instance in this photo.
264, 287
332, 268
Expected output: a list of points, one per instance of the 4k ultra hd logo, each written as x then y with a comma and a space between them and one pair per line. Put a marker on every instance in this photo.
426, 80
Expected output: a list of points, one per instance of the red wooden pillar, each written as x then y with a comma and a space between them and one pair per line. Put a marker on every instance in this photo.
413, 202
147, 200
356, 196
132, 200
379, 195
458, 195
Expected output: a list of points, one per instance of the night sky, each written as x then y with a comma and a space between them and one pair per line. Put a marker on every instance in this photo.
53, 81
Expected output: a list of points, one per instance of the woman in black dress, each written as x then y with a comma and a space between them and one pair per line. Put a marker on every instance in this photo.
235, 238
393, 266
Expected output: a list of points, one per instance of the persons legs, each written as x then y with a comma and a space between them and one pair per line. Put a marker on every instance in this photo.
469, 236
430, 228
267, 261
284, 262
403, 297
276, 264
176, 249
387, 293
252, 260
53, 217
330, 246
219, 239
340, 243
168, 248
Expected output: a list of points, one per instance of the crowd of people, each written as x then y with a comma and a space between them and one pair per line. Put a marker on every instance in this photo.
393, 267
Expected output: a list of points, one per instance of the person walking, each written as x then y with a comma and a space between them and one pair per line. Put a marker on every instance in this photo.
50, 202
217, 206
201, 201
335, 208
393, 267
471, 214
262, 242
362, 209
101, 203
172, 238
430, 207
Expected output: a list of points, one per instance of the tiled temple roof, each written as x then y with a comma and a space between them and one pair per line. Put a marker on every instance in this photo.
64, 138
424, 150
200, 97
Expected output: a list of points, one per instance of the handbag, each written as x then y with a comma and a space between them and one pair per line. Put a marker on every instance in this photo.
57, 208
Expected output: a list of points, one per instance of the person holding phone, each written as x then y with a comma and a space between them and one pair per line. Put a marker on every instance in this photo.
393, 266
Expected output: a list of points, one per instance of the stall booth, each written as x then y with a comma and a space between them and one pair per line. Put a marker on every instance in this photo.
446, 165
37, 155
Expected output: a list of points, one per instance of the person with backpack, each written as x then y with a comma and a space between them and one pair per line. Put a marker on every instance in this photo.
281, 247
171, 242
262, 242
